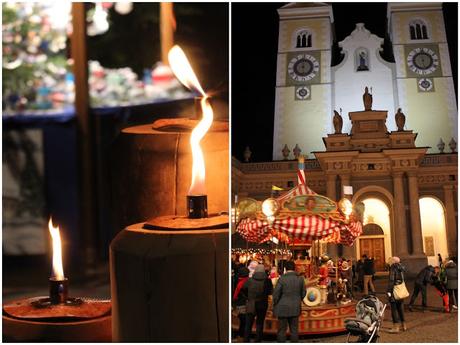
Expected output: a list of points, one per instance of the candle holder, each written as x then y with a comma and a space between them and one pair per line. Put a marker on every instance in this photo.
197, 206
59, 290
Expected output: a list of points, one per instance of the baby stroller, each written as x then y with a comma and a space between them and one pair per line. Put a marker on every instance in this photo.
369, 318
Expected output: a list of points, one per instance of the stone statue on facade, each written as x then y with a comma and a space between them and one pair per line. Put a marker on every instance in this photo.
338, 122
296, 151
400, 119
367, 99
452, 145
285, 152
247, 154
362, 62
441, 145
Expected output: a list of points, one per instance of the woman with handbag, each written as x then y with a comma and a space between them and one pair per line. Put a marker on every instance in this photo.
396, 292
240, 298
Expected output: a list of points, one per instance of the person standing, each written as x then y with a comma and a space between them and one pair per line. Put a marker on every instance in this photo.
439, 259
396, 277
368, 270
346, 275
452, 284
360, 275
259, 286
287, 298
440, 287
421, 281
240, 298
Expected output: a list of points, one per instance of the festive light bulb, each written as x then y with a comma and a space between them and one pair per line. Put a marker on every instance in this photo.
124, 7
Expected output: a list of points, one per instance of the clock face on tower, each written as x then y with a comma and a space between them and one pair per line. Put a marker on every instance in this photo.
303, 67
422, 61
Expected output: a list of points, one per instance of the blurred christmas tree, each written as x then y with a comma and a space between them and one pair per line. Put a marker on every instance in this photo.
34, 63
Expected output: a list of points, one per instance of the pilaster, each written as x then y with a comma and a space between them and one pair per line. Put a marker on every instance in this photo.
416, 224
400, 237
451, 224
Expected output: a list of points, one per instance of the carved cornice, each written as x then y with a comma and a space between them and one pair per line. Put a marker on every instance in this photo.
277, 166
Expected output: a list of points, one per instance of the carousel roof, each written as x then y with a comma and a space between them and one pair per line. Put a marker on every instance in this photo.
303, 216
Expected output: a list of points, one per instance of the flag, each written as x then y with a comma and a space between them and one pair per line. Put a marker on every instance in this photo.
301, 171
276, 188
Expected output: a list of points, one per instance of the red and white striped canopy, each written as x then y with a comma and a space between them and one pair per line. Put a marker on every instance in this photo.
303, 227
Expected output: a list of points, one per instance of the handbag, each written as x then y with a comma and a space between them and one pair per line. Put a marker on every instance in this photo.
400, 290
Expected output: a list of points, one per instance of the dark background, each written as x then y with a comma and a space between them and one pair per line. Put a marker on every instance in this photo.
254, 52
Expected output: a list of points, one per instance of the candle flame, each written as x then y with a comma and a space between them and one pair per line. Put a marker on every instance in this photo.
184, 72
58, 271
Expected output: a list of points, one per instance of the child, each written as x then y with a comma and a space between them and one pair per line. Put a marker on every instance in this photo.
440, 288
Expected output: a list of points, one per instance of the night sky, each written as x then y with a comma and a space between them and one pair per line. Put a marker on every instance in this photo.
254, 49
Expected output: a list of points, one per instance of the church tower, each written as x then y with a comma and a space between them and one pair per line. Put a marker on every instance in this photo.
425, 85
303, 113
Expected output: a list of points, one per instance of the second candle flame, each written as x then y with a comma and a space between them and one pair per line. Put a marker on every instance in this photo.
183, 71
58, 271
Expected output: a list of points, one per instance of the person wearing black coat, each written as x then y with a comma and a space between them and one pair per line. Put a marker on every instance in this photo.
240, 298
396, 277
421, 281
287, 299
452, 284
259, 287
369, 271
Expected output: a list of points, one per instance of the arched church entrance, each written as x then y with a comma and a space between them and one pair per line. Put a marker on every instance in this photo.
375, 241
433, 219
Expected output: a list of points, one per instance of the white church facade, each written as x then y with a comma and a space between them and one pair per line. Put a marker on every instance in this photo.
407, 181
309, 89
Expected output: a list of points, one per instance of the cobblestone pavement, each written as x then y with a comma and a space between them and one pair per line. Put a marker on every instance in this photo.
432, 326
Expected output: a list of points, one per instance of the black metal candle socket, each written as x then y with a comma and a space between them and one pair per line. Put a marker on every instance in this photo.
59, 290
58, 294
197, 206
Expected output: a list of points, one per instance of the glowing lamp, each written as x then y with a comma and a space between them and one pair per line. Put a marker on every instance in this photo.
270, 207
346, 207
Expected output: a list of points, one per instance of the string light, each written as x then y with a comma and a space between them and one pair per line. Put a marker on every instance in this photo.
255, 251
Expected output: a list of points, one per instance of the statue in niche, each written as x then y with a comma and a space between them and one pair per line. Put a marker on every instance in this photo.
400, 119
338, 122
362, 61
367, 99
247, 154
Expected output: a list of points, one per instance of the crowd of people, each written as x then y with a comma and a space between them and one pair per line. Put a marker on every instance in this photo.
250, 298
252, 285
444, 278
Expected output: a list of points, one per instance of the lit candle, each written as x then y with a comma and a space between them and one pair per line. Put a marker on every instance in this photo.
197, 202
58, 283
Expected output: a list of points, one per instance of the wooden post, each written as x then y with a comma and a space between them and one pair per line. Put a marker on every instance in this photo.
167, 27
84, 132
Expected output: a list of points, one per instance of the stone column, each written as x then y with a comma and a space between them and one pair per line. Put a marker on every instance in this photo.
331, 192
331, 187
399, 216
347, 251
451, 225
416, 224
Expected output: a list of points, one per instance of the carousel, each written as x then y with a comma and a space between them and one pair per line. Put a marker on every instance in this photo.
302, 221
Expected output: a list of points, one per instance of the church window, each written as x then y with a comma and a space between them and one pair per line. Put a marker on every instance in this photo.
418, 30
303, 39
